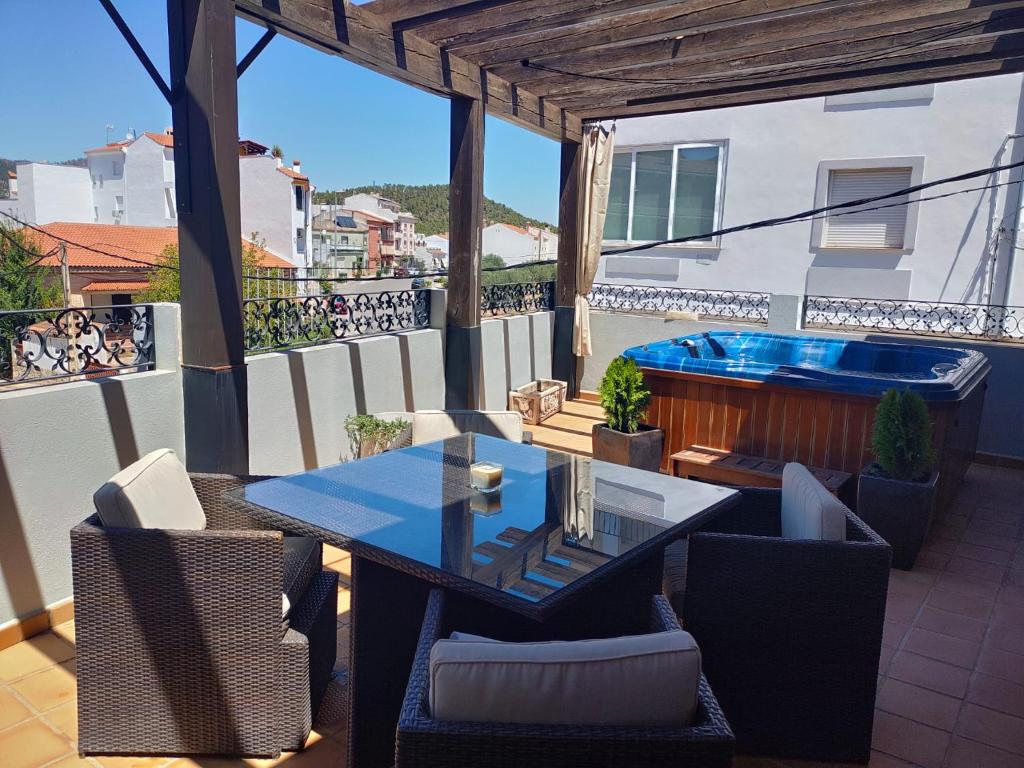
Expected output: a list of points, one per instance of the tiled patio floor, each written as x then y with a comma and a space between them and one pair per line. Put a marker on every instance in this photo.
951, 683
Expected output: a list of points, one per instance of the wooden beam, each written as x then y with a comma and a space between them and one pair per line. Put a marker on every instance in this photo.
354, 33
204, 107
790, 29
563, 361
404, 11
977, 48
856, 43
465, 236
627, 23
934, 73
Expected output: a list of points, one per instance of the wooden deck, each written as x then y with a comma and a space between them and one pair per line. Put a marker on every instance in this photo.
569, 430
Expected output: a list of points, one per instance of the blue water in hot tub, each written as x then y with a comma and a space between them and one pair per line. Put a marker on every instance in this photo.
815, 362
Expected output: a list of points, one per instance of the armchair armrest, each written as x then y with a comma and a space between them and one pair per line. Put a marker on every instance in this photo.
220, 514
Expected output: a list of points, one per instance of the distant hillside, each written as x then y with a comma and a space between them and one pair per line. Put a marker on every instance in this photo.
8, 165
429, 203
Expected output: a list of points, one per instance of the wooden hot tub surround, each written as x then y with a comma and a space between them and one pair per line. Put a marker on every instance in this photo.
818, 428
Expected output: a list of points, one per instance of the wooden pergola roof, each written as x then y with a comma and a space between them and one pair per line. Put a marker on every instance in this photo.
550, 64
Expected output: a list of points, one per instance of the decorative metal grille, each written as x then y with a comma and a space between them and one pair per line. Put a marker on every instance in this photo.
281, 323
44, 346
517, 298
915, 317
706, 304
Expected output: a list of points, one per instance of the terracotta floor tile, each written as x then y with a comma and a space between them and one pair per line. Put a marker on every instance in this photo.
1005, 614
893, 632
333, 554
932, 560
993, 728
953, 624
993, 528
65, 719
999, 663
1007, 638
964, 753
11, 710
967, 567
990, 541
1011, 595
902, 609
134, 762
984, 554
882, 760
928, 673
1006, 514
66, 631
908, 740
344, 601
885, 658
956, 602
33, 655
73, 761
49, 688
919, 704
996, 693
31, 745
940, 546
914, 591
953, 650
967, 585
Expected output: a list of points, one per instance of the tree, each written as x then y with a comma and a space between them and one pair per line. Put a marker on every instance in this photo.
23, 283
277, 152
164, 283
492, 261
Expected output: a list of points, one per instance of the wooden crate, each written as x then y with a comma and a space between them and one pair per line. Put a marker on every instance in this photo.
537, 400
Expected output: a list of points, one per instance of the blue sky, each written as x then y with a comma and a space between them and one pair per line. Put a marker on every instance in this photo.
74, 74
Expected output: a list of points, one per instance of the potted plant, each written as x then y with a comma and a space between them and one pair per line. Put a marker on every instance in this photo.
896, 493
623, 439
369, 435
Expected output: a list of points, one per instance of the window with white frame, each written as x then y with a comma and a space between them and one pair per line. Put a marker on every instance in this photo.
885, 227
665, 193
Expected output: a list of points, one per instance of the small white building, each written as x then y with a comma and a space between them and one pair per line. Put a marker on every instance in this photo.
687, 174
51, 193
275, 206
518, 245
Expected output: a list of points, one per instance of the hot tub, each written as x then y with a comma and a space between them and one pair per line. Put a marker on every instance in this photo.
807, 398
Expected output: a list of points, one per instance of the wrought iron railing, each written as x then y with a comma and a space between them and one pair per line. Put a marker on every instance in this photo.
286, 322
517, 298
45, 346
920, 318
705, 304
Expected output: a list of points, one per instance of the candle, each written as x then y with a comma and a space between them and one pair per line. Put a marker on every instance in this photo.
485, 504
485, 476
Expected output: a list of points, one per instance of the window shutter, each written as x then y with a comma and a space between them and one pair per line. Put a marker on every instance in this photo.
883, 228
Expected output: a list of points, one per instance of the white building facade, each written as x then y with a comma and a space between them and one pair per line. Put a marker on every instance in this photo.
519, 245
686, 175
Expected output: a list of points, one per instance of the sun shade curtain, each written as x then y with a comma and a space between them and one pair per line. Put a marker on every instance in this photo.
596, 173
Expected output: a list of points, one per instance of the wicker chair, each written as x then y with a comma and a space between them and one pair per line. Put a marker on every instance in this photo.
181, 645
423, 742
790, 630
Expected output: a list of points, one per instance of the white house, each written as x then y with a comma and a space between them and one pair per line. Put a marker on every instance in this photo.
131, 182
516, 245
688, 174
404, 236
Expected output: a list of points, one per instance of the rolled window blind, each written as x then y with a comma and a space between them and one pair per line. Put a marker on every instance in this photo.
883, 228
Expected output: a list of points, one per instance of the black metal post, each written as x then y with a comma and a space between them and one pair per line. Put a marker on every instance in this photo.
204, 107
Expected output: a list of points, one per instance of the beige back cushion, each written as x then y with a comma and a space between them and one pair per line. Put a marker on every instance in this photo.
154, 492
641, 680
428, 426
809, 511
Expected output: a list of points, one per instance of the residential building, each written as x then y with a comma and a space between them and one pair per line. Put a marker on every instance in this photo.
124, 258
132, 182
517, 245
340, 242
405, 235
687, 174
397, 240
370, 202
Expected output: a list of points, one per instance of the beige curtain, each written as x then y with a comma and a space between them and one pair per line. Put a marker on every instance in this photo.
596, 174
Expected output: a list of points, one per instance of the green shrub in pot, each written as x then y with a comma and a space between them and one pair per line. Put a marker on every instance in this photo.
896, 494
624, 439
369, 435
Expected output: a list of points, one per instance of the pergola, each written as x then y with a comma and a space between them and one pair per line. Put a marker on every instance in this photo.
547, 65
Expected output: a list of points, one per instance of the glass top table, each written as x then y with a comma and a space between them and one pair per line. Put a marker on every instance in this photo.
556, 521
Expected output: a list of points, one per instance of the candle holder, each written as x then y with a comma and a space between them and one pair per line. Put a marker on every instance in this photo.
485, 476
485, 504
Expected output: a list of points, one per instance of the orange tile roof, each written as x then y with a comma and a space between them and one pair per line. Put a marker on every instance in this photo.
124, 246
293, 174
115, 286
12, 175
163, 139
109, 147
514, 228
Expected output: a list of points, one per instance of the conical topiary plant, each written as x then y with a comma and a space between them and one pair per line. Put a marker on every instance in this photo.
624, 395
902, 439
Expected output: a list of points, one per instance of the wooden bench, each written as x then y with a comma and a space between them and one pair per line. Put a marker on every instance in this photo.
717, 466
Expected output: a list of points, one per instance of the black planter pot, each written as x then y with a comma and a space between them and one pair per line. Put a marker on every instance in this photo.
898, 511
641, 449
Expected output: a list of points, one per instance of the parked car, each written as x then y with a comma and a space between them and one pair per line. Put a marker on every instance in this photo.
420, 282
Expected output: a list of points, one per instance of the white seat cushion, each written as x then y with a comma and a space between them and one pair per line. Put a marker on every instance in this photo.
154, 492
641, 680
809, 511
